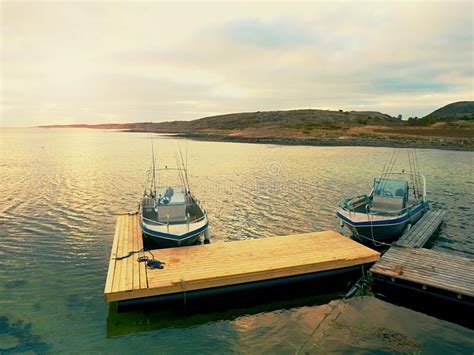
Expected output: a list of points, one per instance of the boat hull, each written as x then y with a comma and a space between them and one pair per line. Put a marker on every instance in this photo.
380, 234
157, 242
381, 230
168, 240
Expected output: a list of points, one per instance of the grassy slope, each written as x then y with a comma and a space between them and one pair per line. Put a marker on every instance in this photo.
310, 124
450, 126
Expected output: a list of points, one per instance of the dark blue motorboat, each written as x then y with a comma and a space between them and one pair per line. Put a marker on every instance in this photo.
397, 200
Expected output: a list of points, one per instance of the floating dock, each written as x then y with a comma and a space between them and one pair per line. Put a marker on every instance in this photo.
428, 271
407, 265
421, 232
220, 265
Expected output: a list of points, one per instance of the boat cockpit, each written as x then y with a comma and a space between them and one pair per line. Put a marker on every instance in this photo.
389, 195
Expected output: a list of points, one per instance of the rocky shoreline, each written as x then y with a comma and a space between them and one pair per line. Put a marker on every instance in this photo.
392, 142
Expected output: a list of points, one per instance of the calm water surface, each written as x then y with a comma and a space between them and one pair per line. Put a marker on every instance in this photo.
60, 191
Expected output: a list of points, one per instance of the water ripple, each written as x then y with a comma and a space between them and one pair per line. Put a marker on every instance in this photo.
58, 207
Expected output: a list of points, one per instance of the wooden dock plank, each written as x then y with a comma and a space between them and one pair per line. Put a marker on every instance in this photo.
120, 264
118, 236
124, 262
142, 267
426, 228
422, 231
136, 266
420, 267
113, 255
425, 233
438, 269
221, 264
131, 261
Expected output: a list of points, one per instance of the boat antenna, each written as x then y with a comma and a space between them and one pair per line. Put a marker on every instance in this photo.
179, 168
184, 168
388, 167
412, 171
415, 174
154, 169
418, 178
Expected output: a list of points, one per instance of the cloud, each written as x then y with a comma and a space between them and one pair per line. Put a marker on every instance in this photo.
394, 84
273, 34
148, 61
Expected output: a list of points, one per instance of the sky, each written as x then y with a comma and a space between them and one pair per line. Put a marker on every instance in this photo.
98, 62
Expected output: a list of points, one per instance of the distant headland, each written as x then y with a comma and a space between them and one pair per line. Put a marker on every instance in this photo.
449, 127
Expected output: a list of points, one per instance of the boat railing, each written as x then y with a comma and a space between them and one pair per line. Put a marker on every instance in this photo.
194, 199
351, 204
387, 213
423, 181
198, 220
153, 222
346, 205
200, 206
189, 222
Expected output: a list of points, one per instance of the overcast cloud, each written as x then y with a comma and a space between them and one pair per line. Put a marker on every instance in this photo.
76, 62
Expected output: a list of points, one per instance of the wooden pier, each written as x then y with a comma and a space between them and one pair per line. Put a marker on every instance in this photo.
429, 269
408, 265
421, 232
223, 264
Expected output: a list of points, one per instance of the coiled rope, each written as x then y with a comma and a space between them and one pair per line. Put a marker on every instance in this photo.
151, 263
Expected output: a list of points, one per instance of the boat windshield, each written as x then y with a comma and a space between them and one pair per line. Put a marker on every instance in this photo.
170, 195
390, 188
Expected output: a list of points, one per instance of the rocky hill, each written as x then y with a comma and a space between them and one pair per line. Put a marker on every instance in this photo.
290, 119
462, 110
450, 127
295, 119
455, 114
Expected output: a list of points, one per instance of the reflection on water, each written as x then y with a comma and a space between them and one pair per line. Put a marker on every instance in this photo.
369, 323
146, 319
61, 190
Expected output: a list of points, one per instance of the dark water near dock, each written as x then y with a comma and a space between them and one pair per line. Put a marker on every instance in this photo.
60, 191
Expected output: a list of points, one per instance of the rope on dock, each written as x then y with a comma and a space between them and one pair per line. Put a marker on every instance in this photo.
151, 263
130, 253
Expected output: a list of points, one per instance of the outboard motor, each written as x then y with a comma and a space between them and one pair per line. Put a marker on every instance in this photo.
167, 196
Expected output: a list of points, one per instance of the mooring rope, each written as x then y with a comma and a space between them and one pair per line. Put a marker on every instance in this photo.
183, 286
361, 283
151, 263
375, 242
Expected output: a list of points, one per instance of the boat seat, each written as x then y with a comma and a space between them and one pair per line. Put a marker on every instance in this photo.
400, 193
150, 213
176, 213
386, 204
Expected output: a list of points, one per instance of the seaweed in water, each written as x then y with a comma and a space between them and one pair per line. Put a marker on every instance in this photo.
393, 340
75, 302
25, 340
396, 342
15, 283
